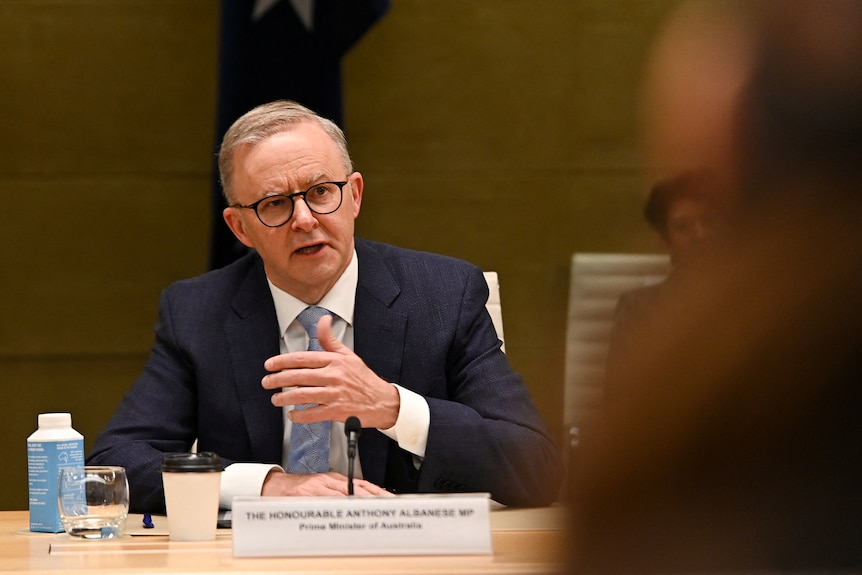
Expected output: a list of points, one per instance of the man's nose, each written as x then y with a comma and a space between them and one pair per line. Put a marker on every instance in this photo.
303, 217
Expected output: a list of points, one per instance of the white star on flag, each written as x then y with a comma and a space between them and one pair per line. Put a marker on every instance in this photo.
303, 8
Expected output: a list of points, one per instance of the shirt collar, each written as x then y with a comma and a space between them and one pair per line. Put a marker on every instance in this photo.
340, 299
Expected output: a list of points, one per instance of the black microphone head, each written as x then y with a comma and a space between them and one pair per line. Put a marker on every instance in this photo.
352, 425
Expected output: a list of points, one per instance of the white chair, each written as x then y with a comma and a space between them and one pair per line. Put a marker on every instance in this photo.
493, 305
597, 281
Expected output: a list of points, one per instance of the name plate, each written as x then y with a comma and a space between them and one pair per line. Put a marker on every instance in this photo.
326, 526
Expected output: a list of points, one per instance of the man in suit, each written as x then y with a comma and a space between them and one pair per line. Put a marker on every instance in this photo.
408, 347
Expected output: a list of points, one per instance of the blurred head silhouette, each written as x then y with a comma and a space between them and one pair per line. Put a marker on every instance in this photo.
695, 73
685, 211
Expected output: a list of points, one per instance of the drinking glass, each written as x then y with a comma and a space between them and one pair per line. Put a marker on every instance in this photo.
93, 501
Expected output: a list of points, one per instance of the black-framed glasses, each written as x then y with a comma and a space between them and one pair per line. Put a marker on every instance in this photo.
276, 210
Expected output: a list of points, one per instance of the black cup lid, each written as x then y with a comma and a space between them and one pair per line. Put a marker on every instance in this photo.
192, 462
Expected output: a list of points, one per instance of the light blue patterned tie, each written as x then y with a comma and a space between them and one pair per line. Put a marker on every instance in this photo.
309, 442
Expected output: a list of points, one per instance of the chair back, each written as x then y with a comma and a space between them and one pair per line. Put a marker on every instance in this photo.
596, 283
493, 305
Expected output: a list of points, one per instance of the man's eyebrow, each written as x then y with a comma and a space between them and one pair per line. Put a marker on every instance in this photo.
313, 179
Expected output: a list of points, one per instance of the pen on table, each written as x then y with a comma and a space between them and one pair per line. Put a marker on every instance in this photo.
148, 521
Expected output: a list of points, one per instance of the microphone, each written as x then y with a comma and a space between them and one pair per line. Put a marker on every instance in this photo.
352, 428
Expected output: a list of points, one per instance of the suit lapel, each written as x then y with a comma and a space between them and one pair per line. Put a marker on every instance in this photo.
252, 336
378, 338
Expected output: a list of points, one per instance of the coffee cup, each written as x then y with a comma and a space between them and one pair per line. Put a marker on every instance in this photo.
192, 482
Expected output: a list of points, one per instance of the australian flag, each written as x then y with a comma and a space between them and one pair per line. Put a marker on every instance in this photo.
281, 49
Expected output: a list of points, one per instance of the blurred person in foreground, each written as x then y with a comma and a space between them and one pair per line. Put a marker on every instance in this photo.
408, 347
735, 445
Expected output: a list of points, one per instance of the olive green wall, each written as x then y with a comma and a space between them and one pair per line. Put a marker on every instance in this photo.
499, 131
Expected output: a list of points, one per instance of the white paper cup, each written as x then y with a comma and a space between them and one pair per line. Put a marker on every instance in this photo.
192, 482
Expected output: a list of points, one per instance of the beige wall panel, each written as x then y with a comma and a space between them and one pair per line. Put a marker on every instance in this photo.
492, 85
106, 114
89, 257
106, 86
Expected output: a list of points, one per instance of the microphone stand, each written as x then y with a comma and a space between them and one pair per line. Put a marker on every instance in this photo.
352, 428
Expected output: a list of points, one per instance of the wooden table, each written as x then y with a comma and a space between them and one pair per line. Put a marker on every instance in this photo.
524, 541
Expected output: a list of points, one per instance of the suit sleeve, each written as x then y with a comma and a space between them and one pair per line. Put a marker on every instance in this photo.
487, 434
156, 417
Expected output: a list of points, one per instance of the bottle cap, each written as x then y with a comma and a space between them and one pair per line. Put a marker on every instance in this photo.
55, 420
192, 463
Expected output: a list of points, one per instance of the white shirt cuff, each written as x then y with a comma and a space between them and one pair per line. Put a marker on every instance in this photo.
243, 479
411, 427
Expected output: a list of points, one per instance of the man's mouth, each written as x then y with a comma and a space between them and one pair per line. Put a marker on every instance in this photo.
310, 249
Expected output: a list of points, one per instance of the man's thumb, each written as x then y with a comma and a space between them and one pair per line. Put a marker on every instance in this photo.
327, 339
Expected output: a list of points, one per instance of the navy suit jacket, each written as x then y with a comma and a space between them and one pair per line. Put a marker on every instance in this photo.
419, 321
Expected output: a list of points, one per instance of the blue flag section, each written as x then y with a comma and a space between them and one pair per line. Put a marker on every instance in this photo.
281, 49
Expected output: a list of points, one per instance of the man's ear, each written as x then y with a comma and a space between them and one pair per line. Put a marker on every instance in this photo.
356, 187
235, 222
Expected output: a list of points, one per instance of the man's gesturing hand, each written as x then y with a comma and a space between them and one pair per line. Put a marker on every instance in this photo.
336, 380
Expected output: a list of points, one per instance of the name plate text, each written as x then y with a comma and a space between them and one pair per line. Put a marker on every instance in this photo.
327, 526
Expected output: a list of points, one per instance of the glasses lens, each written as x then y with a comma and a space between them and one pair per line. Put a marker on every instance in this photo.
323, 198
276, 210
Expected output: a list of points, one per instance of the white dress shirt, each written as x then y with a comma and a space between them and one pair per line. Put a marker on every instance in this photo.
410, 429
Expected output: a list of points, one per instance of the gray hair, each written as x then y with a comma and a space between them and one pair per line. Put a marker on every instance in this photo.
264, 121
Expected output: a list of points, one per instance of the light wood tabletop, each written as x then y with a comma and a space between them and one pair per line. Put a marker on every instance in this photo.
524, 541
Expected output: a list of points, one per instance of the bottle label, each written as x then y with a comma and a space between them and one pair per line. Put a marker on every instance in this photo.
45, 459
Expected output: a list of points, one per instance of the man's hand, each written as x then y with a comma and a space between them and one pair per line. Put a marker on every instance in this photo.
336, 379
278, 483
